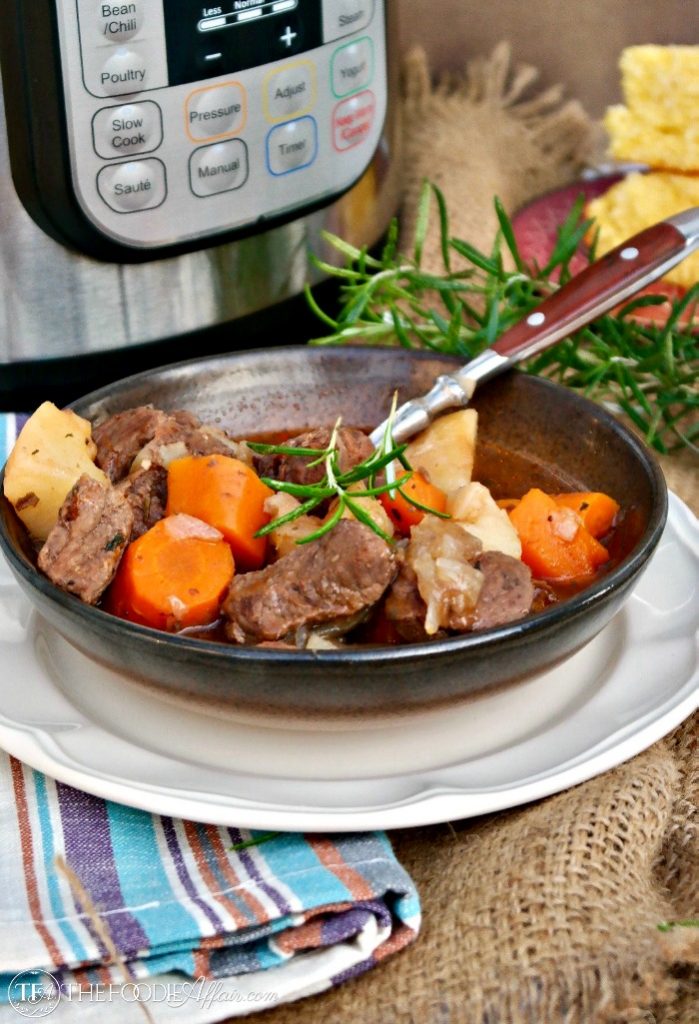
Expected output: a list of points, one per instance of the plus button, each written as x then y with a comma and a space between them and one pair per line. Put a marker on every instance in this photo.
288, 36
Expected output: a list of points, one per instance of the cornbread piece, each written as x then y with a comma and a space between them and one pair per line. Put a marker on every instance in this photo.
658, 125
83, 550
330, 582
639, 201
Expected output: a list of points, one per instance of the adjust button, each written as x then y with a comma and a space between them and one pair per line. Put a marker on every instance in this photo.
126, 129
352, 67
124, 72
218, 168
292, 146
118, 22
136, 185
215, 111
341, 17
289, 90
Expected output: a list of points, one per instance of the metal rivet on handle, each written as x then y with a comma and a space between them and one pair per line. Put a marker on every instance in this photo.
535, 319
629, 253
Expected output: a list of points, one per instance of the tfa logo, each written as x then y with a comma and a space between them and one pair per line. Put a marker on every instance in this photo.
34, 993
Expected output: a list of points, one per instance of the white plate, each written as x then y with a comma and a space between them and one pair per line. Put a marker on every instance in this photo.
85, 725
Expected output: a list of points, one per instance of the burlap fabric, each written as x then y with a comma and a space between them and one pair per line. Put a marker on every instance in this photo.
546, 914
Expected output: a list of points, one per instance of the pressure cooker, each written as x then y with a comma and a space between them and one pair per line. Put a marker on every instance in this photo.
167, 166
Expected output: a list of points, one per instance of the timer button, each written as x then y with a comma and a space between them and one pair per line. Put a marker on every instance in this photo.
289, 90
118, 22
215, 111
292, 146
124, 72
342, 17
126, 129
352, 67
136, 185
218, 168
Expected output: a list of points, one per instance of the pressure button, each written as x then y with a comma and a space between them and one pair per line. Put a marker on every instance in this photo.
133, 186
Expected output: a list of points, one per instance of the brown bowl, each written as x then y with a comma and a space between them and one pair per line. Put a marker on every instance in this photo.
554, 439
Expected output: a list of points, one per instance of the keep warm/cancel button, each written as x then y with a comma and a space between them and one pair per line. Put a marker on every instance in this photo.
353, 120
136, 185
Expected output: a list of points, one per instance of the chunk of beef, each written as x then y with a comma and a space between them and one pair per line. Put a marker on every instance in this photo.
327, 583
174, 438
121, 437
146, 493
405, 608
83, 550
507, 592
353, 447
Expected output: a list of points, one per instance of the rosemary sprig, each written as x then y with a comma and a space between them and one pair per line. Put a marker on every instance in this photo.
648, 372
342, 486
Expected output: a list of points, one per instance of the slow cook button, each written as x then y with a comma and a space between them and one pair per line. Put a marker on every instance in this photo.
352, 67
290, 90
126, 129
340, 17
118, 22
353, 119
125, 71
218, 168
292, 146
215, 111
136, 185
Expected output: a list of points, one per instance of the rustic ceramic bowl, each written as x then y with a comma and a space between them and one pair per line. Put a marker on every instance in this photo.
531, 433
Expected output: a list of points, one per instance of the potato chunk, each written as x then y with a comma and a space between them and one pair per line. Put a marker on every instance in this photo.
473, 508
444, 451
53, 450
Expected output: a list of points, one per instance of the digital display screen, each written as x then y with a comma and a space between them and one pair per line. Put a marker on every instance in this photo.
207, 40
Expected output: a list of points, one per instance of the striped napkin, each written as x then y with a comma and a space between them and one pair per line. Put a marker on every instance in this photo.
105, 909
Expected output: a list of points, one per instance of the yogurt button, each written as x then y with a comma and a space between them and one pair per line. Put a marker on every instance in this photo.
126, 71
136, 185
214, 111
218, 168
126, 129
352, 67
118, 22
292, 146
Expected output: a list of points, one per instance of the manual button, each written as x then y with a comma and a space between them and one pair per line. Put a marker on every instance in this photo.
136, 185
126, 129
218, 168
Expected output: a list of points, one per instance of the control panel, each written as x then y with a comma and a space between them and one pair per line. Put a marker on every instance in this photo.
185, 119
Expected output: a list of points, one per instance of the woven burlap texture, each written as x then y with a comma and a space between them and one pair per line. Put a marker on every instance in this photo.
548, 914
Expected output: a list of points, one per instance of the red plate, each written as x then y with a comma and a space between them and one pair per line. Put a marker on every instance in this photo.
536, 226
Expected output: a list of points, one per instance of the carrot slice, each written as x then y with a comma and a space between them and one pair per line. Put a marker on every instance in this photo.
555, 544
405, 515
227, 494
173, 576
596, 510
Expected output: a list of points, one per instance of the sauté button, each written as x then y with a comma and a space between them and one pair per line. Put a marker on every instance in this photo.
290, 90
218, 168
118, 22
126, 129
352, 120
216, 110
341, 17
292, 146
126, 71
136, 185
352, 67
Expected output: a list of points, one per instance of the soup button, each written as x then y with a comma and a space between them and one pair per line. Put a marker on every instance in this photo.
136, 185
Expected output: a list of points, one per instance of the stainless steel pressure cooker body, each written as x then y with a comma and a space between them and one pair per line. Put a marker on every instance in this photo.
166, 166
